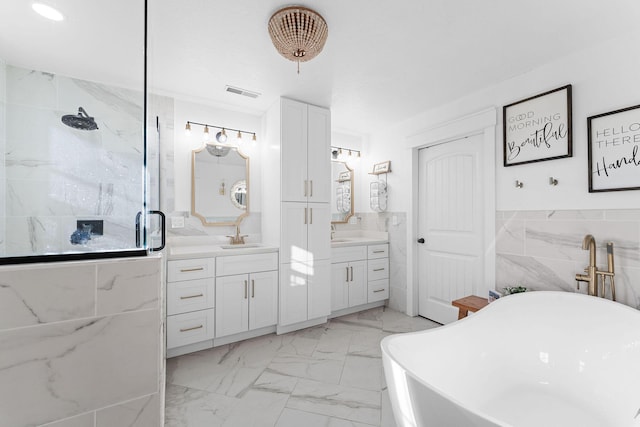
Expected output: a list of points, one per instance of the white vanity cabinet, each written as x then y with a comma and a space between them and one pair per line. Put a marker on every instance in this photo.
190, 301
378, 272
359, 277
348, 277
247, 293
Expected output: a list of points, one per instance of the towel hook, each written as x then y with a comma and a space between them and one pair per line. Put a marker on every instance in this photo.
553, 181
519, 184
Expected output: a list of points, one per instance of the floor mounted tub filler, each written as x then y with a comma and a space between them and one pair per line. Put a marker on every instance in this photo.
526, 360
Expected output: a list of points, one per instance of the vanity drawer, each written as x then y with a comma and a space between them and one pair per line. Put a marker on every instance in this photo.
378, 269
378, 290
378, 251
190, 269
190, 295
189, 328
348, 253
241, 264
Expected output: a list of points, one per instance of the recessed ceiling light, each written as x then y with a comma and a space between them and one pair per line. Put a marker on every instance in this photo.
47, 11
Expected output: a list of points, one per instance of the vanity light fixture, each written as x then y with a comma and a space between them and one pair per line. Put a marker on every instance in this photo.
187, 129
345, 154
221, 136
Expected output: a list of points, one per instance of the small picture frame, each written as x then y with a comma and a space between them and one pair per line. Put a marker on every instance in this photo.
538, 128
383, 167
613, 150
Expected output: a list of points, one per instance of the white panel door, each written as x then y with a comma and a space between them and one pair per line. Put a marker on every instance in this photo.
293, 135
357, 283
295, 219
263, 302
293, 293
339, 286
318, 154
319, 292
450, 222
232, 316
318, 231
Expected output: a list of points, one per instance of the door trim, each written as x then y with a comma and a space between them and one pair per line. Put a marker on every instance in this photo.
482, 122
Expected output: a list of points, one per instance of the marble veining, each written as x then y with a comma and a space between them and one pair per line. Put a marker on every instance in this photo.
327, 375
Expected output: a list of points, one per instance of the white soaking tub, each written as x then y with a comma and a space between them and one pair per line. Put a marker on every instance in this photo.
536, 359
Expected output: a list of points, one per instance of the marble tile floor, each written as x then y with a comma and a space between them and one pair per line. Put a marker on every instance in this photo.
326, 376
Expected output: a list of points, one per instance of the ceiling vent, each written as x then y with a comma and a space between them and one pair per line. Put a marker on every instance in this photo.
240, 91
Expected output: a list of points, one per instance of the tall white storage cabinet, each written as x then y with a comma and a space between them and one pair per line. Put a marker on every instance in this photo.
297, 214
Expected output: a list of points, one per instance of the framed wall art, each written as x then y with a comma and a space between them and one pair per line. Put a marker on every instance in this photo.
538, 128
614, 157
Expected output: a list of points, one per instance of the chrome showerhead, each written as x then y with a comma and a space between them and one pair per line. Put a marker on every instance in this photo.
80, 121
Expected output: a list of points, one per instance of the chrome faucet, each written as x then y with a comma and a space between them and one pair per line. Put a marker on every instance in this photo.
592, 272
237, 239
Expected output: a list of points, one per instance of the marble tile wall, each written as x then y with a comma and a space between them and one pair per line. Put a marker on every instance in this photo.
80, 344
56, 174
542, 250
397, 230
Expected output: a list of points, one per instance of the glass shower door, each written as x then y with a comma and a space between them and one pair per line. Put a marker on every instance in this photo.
72, 129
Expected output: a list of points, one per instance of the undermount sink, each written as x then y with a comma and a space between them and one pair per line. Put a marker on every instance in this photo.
241, 246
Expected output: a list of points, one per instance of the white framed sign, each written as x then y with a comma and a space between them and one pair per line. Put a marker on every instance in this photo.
614, 156
538, 128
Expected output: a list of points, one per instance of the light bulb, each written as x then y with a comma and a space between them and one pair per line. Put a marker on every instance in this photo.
206, 133
187, 129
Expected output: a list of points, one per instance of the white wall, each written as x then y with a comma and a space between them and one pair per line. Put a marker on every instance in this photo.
604, 78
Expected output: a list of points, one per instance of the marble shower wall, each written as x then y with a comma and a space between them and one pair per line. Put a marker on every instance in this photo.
81, 344
56, 174
543, 249
384, 221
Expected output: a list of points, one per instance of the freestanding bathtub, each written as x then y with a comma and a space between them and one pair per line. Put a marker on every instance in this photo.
537, 359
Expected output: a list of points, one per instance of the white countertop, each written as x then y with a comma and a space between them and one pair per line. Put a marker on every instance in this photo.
356, 238
185, 248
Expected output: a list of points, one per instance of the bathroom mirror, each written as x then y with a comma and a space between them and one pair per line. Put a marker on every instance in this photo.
219, 185
341, 192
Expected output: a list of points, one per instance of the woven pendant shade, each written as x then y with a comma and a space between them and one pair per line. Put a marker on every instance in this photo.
298, 33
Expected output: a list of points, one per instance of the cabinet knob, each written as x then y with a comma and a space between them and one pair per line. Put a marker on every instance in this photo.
421, 240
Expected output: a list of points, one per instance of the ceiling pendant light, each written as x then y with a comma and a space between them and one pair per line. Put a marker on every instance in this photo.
298, 33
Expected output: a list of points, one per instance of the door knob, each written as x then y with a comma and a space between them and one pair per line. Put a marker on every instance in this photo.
421, 240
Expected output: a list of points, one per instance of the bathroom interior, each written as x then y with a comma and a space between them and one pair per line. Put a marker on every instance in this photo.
169, 256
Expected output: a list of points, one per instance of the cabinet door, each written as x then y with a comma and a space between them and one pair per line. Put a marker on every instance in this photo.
319, 292
319, 231
293, 293
263, 302
293, 154
293, 245
232, 315
319, 160
358, 291
339, 286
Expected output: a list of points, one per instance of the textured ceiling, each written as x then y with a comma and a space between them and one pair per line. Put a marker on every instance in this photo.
383, 62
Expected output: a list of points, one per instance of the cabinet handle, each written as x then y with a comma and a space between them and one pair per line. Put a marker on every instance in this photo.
311, 190
305, 216
186, 270
310, 215
253, 288
305, 188
347, 270
192, 296
192, 329
351, 268
378, 269
246, 289
378, 290
378, 252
